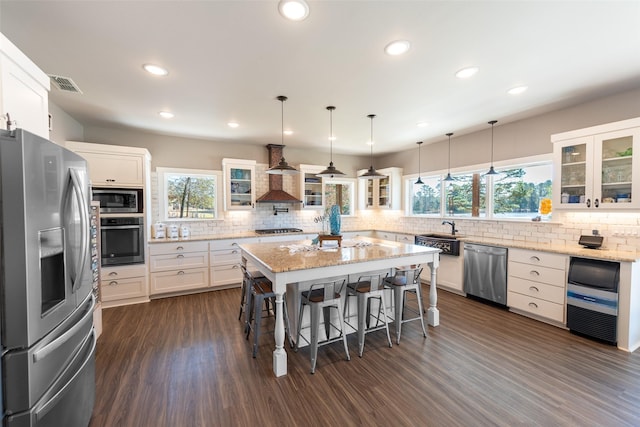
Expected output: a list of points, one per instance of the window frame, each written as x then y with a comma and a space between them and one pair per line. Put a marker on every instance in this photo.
162, 174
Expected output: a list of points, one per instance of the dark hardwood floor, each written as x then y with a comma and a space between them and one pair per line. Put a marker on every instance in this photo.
184, 361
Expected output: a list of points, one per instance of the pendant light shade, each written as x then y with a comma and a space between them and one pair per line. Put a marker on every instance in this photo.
492, 171
449, 177
371, 173
331, 171
419, 181
283, 167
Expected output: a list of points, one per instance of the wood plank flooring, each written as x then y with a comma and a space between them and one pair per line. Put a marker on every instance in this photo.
184, 361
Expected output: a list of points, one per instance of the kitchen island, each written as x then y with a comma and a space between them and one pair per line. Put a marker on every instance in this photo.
293, 262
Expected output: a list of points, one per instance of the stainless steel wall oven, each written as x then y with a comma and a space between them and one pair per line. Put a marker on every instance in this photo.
122, 240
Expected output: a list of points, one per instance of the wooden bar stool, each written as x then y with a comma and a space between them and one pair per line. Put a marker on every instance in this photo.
406, 279
368, 288
325, 296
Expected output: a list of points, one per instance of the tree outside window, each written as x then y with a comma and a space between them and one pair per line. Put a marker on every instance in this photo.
340, 193
517, 192
426, 197
466, 195
187, 194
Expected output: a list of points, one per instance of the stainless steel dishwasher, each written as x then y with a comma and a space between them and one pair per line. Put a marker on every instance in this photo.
485, 272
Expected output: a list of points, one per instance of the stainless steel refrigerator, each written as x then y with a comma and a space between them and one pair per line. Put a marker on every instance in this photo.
48, 341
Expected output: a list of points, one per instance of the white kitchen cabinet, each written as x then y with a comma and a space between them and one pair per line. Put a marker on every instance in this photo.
536, 284
124, 285
24, 91
178, 266
383, 193
598, 167
114, 165
225, 258
405, 238
311, 187
239, 184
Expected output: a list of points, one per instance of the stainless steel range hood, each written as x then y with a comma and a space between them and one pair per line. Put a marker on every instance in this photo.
276, 194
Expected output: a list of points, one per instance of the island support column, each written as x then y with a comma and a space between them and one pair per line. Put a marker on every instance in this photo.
433, 314
279, 355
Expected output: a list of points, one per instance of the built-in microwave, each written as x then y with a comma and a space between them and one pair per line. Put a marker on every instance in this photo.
119, 200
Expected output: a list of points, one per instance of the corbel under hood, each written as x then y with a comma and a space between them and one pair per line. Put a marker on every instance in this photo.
276, 194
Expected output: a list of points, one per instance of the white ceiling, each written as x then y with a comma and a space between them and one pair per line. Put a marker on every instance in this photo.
228, 60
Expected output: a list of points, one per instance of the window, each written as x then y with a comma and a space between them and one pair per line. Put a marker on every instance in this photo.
466, 195
426, 197
187, 194
340, 192
517, 192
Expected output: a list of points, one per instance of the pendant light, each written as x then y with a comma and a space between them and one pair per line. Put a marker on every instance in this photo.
449, 177
419, 181
283, 167
331, 171
371, 173
491, 169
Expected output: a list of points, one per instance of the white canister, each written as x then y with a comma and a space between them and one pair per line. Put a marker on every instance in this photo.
158, 231
173, 231
564, 198
184, 232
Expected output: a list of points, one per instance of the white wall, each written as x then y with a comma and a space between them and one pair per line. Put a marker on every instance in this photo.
63, 126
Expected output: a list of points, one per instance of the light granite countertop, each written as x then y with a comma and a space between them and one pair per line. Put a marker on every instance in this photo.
572, 250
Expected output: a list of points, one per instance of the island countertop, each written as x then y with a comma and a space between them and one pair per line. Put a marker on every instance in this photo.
279, 257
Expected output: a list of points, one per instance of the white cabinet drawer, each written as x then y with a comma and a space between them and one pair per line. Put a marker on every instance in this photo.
543, 291
537, 273
125, 271
179, 261
538, 307
406, 238
177, 247
544, 259
173, 281
123, 288
225, 256
226, 275
231, 243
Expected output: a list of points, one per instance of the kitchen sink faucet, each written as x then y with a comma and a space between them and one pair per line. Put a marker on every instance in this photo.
453, 226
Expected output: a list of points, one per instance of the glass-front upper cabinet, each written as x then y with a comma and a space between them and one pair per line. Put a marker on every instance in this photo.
383, 193
239, 184
598, 170
311, 187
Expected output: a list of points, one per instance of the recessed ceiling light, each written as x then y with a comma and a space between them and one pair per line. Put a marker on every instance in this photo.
517, 90
422, 124
465, 73
287, 132
155, 70
397, 47
166, 115
233, 124
294, 10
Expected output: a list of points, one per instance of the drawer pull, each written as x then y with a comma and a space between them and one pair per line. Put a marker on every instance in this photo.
234, 251
533, 305
236, 266
535, 258
534, 273
180, 248
113, 283
534, 289
113, 273
234, 244
180, 273
180, 256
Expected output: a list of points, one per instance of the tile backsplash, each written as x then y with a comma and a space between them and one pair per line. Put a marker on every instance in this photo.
621, 230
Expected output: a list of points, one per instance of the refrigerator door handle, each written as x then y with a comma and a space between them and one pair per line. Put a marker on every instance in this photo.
81, 261
53, 345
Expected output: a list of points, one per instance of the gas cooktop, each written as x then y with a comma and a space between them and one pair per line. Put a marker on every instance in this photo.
279, 230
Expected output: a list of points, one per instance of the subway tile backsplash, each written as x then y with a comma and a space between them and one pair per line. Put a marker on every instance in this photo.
621, 230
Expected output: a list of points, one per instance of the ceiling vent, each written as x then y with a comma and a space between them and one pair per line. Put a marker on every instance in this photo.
65, 84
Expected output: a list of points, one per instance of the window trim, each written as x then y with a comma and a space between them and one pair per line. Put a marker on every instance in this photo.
161, 171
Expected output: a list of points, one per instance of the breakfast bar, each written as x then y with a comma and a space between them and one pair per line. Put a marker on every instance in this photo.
293, 262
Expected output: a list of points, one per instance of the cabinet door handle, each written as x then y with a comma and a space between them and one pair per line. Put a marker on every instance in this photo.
180, 273
180, 256
588, 203
533, 305
535, 258
534, 289
534, 273
113, 283
596, 203
113, 273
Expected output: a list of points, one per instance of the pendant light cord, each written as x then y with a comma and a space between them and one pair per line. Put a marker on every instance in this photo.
371, 116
